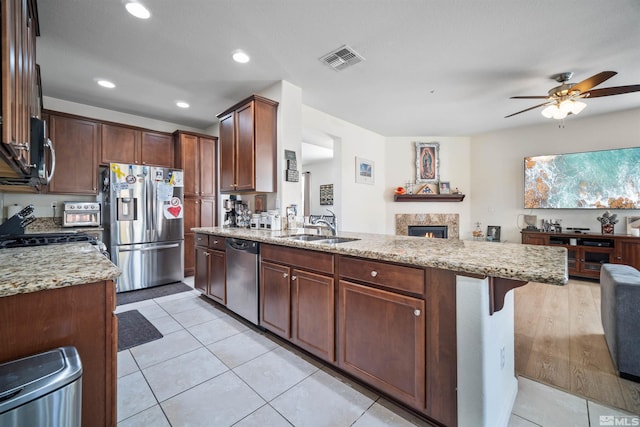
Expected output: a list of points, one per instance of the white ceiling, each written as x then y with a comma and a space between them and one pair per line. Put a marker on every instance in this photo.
433, 67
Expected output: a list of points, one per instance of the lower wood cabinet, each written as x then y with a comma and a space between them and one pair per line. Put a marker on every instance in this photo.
80, 316
298, 304
210, 270
381, 339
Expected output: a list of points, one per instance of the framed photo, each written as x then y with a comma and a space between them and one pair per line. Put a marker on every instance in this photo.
633, 222
493, 233
364, 171
326, 194
427, 162
445, 187
260, 203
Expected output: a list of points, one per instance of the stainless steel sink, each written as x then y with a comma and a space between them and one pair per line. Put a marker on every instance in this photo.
334, 240
306, 237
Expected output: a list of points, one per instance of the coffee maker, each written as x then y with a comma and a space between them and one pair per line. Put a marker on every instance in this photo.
230, 213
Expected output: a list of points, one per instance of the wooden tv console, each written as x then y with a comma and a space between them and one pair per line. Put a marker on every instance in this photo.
586, 252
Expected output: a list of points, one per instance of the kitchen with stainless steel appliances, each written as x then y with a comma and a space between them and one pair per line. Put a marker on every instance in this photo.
142, 213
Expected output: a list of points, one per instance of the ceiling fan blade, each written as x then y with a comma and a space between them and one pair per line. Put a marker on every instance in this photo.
529, 97
593, 81
617, 90
531, 108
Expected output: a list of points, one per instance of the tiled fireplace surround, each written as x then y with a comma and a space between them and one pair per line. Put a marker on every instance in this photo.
452, 221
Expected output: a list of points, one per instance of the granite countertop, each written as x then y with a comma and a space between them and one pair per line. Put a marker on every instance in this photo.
529, 263
38, 268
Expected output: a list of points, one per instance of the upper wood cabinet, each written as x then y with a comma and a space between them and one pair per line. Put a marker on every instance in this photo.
248, 143
196, 155
123, 144
77, 141
19, 81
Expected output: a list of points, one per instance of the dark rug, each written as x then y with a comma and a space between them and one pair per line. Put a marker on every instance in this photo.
134, 329
149, 293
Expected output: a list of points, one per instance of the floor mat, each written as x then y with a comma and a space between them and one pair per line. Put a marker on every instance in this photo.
149, 293
134, 329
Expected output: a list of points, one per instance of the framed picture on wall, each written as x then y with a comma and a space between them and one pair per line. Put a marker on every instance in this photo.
364, 171
427, 162
326, 194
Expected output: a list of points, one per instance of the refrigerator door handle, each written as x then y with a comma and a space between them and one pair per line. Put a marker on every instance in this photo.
153, 248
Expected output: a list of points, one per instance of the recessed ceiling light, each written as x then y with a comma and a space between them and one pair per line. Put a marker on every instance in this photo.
137, 10
182, 104
106, 83
240, 56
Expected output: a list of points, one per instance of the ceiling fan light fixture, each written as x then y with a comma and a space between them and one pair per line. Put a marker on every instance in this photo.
577, 107
549, 111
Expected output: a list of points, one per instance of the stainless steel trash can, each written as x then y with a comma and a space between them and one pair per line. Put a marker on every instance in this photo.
43, 390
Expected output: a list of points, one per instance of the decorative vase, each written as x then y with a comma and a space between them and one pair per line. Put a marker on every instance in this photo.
607, 228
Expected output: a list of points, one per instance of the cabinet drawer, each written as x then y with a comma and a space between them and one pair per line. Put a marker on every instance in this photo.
309, 260
217, 242
407, 279
202, 240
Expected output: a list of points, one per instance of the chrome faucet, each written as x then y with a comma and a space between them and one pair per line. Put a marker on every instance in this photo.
331, 226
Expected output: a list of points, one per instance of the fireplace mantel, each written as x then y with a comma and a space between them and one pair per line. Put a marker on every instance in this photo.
428, 197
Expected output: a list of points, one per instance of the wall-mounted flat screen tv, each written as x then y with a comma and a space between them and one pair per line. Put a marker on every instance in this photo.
607, 179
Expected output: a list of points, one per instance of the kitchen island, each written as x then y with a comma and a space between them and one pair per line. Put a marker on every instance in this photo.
63, 295
428, 322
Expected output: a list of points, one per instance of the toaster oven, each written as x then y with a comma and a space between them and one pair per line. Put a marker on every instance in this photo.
81, 214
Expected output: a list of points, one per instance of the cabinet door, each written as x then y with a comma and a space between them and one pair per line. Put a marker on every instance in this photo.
227, 153
207, 148
190, 164
191, 213
189, 254
207, 213
217, 276
382, 340
119, 145
592, 259
534, 239
76, 143
202, 269
157, 149
245, 148
313, 313
628, 252
275, 298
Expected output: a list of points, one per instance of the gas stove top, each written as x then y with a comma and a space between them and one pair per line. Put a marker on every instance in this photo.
23, 240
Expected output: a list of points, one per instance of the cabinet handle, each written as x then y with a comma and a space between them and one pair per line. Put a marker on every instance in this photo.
294, 277
285, 275
374, 273
417, 312
207, 254
215, 242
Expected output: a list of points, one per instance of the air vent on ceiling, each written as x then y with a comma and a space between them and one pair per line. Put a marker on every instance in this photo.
342, 58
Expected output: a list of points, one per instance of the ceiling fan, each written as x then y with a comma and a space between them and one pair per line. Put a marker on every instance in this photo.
564, 99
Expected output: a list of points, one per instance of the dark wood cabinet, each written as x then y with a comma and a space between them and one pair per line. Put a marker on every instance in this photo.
586, 252
275, 298
313, 313
297, 297
76, 143
381, 335
210, 272
125, 144
248, 142
196, 156
80, 316
19, 81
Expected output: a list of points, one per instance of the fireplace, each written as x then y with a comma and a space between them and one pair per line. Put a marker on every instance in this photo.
450, 221
431, 231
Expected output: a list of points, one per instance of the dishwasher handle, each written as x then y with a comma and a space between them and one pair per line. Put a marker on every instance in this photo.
243, 245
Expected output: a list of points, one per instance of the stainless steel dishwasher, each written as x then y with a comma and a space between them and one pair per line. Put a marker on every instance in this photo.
242, 278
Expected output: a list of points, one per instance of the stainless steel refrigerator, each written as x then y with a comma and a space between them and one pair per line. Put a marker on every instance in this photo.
143, 215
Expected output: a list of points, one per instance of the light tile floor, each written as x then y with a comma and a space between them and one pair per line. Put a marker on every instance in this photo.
210, 369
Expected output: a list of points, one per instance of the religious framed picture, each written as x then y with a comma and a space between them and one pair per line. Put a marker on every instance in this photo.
364, 171
427, 162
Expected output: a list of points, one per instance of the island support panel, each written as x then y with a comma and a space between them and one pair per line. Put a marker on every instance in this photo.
487, 386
